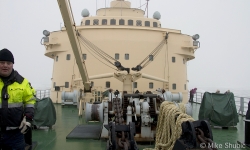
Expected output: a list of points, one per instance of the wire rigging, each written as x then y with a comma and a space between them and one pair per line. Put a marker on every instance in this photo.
153, 54
87, 48
101, 53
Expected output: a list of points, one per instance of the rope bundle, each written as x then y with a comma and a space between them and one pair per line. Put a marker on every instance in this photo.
169, 125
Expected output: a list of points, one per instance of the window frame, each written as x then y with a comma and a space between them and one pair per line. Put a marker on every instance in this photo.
66, 84
151, 85
126, 58
121, 21
173, 59
147, 23
138, 23
117, 56
174, 86
104, 21
135, 84
155, 24
114, 21
84, 56
87, 22
107, 85
130, 21
68, 57
95, 21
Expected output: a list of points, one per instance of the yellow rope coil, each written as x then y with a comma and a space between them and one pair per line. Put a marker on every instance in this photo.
169, 125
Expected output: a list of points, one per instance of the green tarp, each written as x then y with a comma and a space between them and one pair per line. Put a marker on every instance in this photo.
45, 113
219, 109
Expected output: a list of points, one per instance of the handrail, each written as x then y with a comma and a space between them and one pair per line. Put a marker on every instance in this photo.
43, 93
240, 102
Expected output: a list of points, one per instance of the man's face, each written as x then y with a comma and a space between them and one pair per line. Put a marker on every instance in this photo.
5, 68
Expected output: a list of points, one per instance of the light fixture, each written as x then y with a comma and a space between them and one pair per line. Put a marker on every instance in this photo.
196, 37
46, 33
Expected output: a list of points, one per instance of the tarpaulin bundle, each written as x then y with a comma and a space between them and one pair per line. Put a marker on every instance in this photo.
219, 109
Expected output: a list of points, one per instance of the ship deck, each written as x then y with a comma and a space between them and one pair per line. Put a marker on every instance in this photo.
67, 120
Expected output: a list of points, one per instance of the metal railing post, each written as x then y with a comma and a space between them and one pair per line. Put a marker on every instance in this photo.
241, 106
196, 96
201, 97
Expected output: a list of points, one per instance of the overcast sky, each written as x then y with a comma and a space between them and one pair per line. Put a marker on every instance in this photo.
223, 25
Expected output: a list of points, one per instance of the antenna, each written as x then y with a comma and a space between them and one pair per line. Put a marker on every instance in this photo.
105, 7
96, 7
147, 8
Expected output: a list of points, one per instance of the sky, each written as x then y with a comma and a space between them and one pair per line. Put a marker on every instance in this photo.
222, 61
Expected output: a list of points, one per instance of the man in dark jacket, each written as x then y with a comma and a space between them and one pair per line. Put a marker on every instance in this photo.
16, 104
192, 92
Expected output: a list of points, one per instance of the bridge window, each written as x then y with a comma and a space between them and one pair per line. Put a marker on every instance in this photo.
66, 84
130, 22
95, 22
112, 22
84, 56
155, 24
54, 84
121, 22
147, 23
68, 57
174, 86
87, 22
92, 84
56, 58
151, 85
173, 59
185, 86
126, 56
138, 22
184, 61
116, 56
151, 57
104, 21
135, 84
107, 84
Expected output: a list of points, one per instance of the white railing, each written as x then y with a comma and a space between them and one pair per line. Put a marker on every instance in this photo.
240, 102
42, 93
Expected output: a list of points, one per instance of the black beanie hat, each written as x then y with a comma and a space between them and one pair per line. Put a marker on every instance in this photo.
6, 55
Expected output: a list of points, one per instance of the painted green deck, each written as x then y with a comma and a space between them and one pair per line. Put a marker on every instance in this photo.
67, 120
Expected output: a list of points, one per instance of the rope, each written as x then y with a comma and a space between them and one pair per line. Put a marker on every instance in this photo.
169, 127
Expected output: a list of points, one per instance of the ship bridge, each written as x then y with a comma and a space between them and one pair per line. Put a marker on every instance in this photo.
121, 13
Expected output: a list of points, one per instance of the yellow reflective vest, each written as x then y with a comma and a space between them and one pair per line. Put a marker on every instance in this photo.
16, 101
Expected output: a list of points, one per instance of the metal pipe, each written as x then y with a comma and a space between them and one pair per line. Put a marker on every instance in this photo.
100, 76
153, 78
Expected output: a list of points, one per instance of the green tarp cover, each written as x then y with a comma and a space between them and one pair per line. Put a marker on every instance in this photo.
45, 113
220, 109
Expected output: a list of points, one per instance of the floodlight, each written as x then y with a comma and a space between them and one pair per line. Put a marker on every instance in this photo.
196, 37
46, 33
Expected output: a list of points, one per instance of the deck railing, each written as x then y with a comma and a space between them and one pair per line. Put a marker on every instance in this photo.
42, 93
240, 102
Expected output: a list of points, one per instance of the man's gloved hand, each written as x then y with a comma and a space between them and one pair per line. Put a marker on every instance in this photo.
25, 126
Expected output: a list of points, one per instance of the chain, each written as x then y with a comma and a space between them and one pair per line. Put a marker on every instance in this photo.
123, 142
202, 139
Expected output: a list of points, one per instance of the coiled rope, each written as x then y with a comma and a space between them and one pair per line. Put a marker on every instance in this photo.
169, 125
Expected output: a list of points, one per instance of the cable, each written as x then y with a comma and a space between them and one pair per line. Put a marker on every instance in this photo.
87, 47
95, 47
